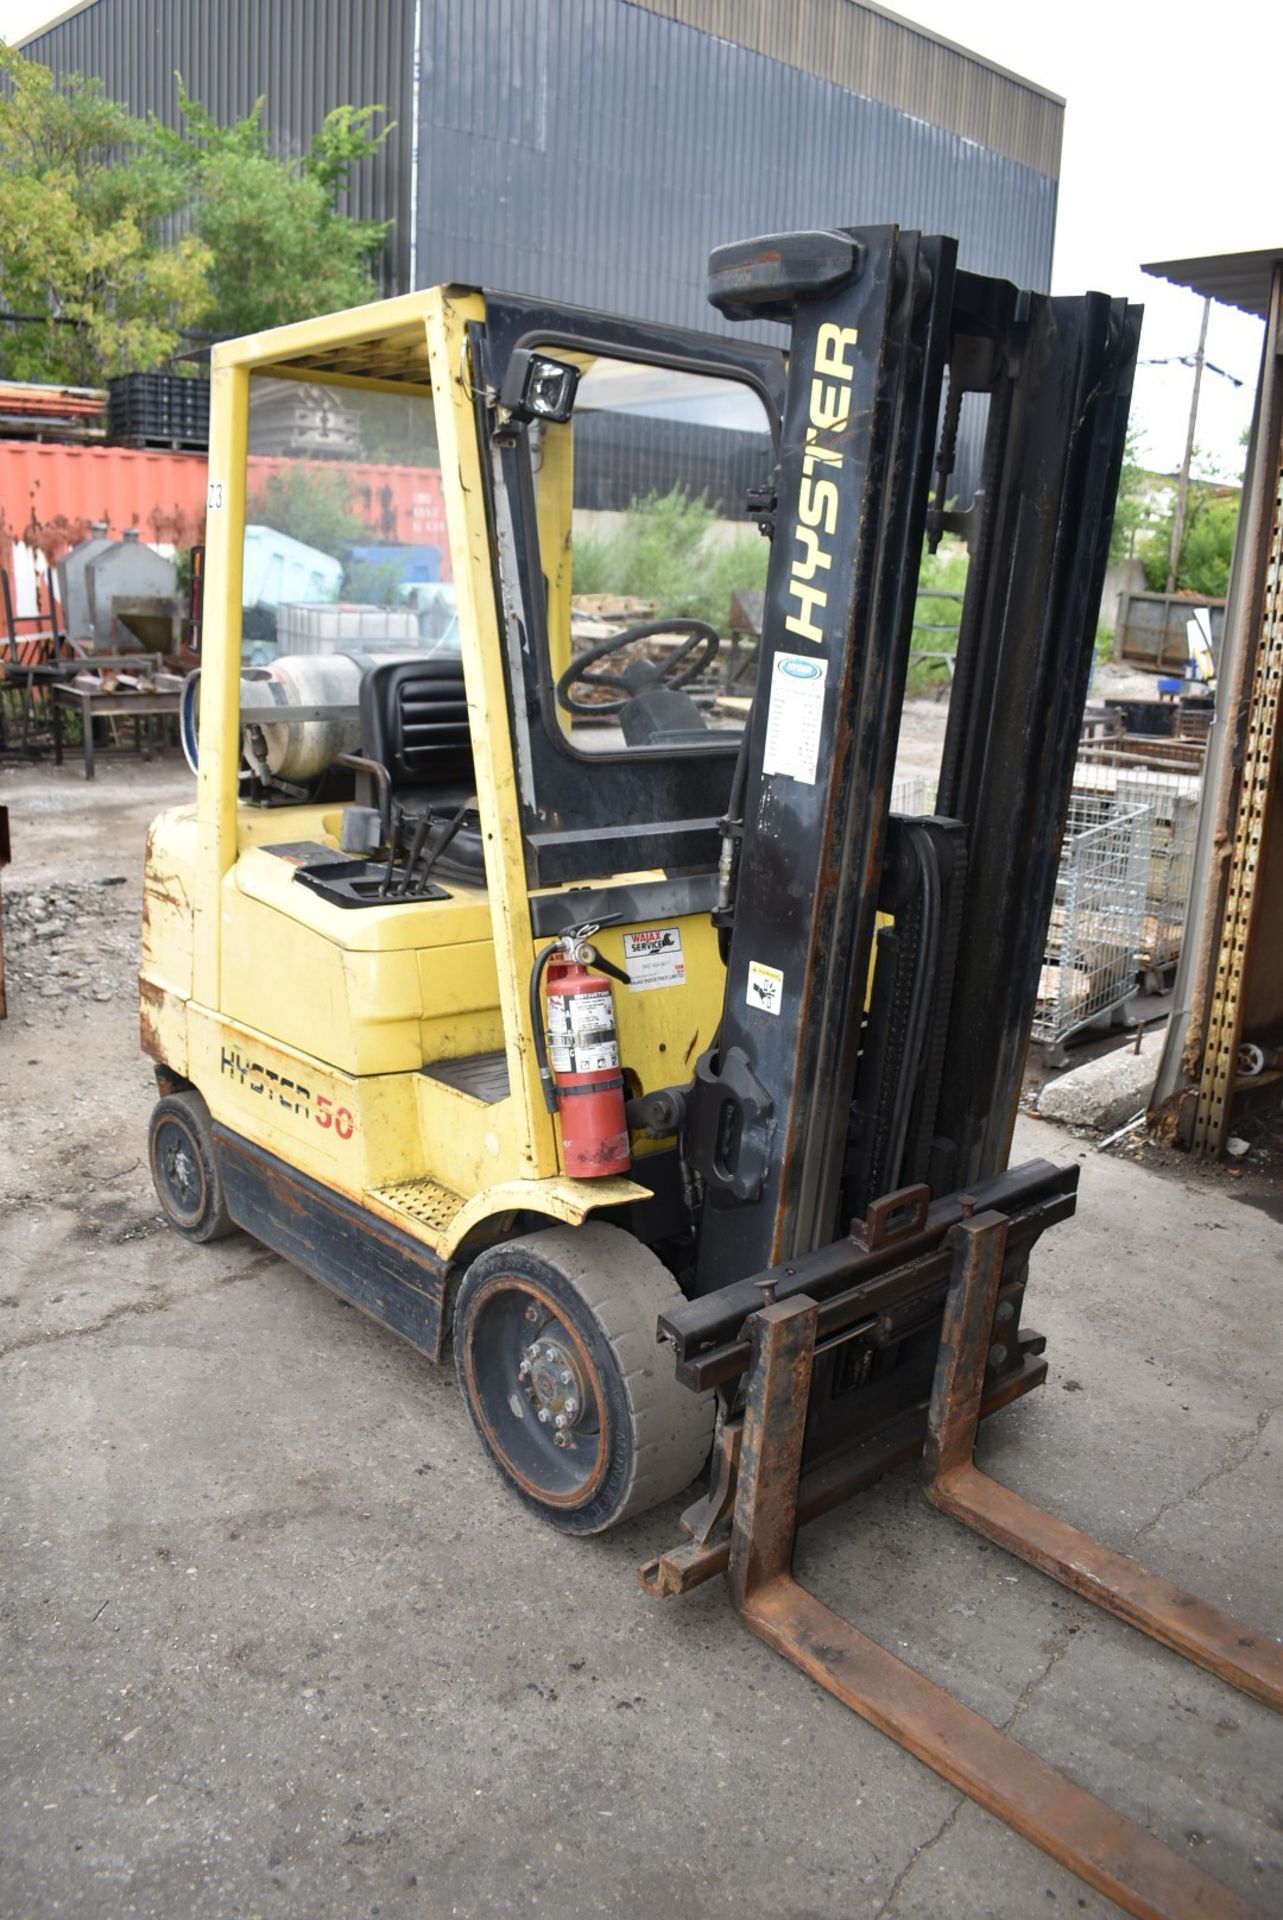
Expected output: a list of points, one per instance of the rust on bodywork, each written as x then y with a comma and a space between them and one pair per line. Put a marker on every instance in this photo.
151, 1004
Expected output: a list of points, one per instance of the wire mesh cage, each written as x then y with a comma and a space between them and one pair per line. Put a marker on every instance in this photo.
1173, 800
1171, 866
914, 794
1093, 938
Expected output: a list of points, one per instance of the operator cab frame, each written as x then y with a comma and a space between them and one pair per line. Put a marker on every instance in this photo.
625, 831
637, 802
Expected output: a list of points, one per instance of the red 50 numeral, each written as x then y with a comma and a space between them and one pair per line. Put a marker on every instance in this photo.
340, 1118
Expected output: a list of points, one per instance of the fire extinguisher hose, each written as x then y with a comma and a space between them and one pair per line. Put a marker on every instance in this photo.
546, 1080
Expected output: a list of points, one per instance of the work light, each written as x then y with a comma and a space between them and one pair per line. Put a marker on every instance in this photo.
536, 387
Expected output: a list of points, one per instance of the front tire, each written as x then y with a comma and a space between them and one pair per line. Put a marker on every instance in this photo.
184, 1168
556, 1356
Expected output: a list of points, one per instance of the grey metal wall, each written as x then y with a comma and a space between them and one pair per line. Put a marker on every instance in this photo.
594, 150
597, 148
867, 50
305, 55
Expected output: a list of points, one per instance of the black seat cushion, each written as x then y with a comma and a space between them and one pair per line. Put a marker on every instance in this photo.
414, 721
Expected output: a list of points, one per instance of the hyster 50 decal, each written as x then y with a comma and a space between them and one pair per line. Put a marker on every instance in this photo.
819, 500
279, 1090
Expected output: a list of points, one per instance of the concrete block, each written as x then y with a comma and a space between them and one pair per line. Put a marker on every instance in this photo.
1106, 1092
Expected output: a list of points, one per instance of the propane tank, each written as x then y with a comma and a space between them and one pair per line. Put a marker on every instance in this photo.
296, 750
583, 1048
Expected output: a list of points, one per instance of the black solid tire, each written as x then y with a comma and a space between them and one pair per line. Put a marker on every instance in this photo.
184, 1168
608, 1291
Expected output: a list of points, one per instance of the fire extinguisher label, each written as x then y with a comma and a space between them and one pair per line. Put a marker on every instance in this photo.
571, 1055
595, 1058
581, 1032
591, 1013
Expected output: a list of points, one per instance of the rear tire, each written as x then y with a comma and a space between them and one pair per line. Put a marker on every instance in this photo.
184, 1168
562, 1324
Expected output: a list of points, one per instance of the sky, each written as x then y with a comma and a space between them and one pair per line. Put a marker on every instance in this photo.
1170, 152
1170, 119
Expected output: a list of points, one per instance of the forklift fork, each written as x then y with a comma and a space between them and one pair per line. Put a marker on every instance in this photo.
1103, 1848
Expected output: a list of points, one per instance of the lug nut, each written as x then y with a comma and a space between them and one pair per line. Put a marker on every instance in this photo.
550, 1353
572, 1408
544, 1414
561, 1439
532, 1313
565, 1376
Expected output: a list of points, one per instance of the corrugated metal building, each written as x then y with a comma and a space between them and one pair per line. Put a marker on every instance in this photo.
595, 150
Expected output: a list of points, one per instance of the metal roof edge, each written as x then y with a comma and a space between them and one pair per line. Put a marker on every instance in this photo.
37, 33
1241, 279
966, 53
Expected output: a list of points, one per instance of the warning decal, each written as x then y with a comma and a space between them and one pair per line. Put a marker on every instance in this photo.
653, 958
765, 987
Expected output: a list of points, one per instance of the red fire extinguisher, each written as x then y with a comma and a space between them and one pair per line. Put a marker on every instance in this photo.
579, 1066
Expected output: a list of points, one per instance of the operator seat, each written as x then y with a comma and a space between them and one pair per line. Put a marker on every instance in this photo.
414, 721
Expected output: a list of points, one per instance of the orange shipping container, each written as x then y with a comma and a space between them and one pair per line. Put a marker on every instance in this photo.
51, 495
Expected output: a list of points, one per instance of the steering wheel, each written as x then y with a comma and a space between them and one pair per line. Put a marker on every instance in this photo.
682, 666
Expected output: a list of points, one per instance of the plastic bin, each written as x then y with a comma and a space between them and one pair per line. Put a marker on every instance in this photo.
158, 410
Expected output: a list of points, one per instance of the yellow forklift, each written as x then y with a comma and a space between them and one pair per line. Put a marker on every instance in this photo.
561, 996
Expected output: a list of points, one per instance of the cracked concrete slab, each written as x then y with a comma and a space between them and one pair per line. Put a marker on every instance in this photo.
276, 1644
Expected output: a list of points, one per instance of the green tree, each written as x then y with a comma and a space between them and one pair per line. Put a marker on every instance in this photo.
86, 192
311, 503
372, 583
279, 248
660, 551
1132, 511
1207, 547
117, 235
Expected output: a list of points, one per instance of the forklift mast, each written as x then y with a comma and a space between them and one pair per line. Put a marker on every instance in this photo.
807, 1109
853, 1140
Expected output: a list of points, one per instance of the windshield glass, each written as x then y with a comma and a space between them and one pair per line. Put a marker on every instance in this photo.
345, 536
653, 566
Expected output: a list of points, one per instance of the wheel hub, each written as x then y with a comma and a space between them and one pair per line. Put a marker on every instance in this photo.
181, 1170
184, 1172
549, 1376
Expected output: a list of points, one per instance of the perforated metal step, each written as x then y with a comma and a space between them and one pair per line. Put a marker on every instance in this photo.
423, 1203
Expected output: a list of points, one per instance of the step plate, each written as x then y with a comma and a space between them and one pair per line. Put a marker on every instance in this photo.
417, 1204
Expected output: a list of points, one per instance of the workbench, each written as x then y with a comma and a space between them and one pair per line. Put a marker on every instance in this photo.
94, 704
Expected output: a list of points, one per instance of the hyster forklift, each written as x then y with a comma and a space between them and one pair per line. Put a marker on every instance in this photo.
556, 991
